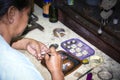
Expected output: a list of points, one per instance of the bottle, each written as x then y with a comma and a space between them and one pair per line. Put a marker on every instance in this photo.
32, 8
46, 5
53, 12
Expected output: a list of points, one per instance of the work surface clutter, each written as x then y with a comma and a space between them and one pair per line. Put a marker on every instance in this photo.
101, 66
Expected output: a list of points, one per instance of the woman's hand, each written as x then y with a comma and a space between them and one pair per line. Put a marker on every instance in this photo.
54, 64
34, 47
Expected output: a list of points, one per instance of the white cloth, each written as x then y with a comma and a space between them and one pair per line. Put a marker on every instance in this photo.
14, 65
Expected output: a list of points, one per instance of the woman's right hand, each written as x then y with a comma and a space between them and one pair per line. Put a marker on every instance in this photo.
54, 64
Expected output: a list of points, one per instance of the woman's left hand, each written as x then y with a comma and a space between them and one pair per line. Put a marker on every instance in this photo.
34, 47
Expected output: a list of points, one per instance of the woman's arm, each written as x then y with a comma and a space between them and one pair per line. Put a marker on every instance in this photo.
34, 47
54, 64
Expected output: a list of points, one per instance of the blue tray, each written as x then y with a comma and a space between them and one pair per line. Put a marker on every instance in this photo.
77, 48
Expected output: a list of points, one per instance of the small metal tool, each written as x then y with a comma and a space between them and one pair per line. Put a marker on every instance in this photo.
85, 73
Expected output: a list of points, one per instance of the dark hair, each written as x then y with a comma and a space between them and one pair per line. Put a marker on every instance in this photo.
19, 4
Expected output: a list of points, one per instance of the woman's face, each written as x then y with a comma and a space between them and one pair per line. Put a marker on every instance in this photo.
21, 21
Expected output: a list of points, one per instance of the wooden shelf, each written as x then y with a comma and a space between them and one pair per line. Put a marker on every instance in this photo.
108, 42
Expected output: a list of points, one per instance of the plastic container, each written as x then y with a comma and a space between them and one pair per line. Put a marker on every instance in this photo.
46, 6
70, 2
77, 48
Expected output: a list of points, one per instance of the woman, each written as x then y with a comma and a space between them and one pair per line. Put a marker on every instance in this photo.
13, 64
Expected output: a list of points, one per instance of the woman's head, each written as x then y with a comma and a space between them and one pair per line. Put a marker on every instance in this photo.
19, 4
14, 16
